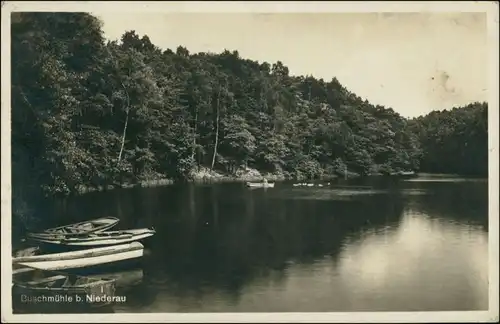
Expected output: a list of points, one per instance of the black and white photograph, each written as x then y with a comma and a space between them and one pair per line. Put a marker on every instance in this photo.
249, 161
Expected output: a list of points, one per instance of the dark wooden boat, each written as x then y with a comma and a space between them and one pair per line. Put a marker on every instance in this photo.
125, 279
57, 290
78, 229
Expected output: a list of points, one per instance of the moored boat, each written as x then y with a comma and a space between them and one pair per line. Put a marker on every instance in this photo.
81, 258
100, 238
260, 184
53, 288
125, 279
82, 228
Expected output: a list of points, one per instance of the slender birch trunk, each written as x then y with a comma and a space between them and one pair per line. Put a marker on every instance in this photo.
125, 126
216, 131
128, 110
123, 138
194, 134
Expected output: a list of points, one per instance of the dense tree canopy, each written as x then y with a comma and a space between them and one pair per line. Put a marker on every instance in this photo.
86, 112
454, 141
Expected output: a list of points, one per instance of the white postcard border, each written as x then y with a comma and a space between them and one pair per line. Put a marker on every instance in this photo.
490, 7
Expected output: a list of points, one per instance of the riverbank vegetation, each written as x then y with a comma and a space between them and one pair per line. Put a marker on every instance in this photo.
90, 113
454, 141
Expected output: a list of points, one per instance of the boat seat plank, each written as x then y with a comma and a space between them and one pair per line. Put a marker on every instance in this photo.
46, 280
92, 283
72, 228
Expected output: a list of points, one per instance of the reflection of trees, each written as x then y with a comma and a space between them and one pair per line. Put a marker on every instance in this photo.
466, 201
121, 203
238, 236
218, 238
141, 295
221, 239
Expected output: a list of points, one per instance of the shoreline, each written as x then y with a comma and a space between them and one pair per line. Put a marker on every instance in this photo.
204, 175
207, 176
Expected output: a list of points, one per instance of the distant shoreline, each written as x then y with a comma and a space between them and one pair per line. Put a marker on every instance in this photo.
207, 176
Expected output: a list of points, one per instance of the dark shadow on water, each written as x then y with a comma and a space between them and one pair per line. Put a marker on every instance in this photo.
216, 241
232, 237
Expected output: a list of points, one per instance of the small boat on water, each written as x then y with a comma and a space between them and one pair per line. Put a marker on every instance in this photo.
100, 238
54, 288
81, 258
82, 228
260, 184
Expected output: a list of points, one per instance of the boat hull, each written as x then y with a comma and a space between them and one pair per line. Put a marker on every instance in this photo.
95, 243
78, 229
43, 292
124, 279
260, 185
83, 259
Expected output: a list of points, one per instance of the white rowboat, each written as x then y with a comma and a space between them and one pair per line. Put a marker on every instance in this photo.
260, 185
82, 258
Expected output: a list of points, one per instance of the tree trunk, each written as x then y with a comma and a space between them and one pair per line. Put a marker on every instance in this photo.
216, 131
262, 107
128, 108
194, 134
123, 138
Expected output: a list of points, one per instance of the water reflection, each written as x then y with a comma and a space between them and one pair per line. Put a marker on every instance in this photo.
410, 246
124, 280
423, 264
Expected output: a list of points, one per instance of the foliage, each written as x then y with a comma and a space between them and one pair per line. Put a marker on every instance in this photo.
454, 141
90, 113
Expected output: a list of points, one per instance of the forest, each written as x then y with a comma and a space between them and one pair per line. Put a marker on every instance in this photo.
91, 113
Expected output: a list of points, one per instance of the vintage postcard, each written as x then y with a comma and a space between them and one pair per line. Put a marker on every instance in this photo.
249, 161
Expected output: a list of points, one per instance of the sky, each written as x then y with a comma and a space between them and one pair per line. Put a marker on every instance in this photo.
411, 62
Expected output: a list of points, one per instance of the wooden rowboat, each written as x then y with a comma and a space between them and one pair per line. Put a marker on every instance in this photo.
82, 228
125, 279
100, 238
260, 185
81, 258
57, 288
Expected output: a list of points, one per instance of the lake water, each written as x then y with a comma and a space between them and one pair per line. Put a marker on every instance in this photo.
370, 245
